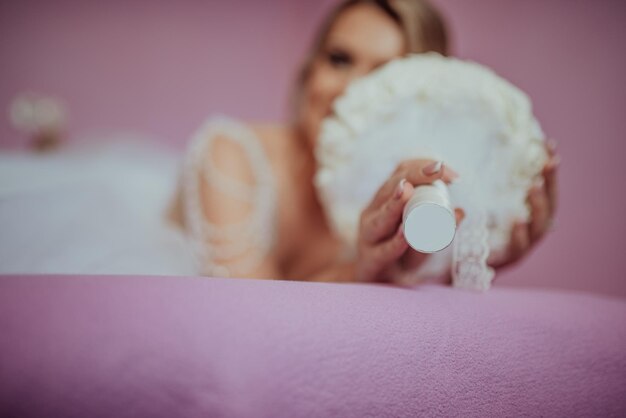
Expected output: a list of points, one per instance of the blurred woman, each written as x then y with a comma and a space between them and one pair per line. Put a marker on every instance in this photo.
247, 198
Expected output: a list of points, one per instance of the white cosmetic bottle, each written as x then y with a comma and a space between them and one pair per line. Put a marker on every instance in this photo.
428, 219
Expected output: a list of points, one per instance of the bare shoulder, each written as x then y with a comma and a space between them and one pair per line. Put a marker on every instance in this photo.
276, 138
230, 158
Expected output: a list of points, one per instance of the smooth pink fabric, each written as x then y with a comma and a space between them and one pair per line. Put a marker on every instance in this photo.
96, 346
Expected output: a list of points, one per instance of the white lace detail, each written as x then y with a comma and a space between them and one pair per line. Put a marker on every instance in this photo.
244, 244
471, 250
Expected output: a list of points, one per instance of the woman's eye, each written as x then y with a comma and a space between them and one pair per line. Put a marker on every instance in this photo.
339, 59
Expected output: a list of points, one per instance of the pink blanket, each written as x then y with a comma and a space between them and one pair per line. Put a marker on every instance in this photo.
91, 346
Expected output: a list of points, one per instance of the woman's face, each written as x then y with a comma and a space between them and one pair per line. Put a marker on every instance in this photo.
362, 38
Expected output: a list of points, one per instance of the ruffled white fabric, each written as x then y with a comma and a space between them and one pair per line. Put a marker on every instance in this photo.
243, 243
429, 106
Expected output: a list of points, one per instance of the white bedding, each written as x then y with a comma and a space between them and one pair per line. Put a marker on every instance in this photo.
91, 209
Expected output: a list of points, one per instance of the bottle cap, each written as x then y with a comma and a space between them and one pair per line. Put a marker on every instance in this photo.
428, 221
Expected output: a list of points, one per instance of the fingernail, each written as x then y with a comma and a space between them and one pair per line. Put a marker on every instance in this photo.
433, 168
399, 189
538, 183
551, 144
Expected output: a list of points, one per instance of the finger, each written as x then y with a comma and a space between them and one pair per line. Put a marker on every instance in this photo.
389, 251
419, 174
411, 260
459, 214
520, 241
379, 224
540, 212
550, 181
416, 172
389, 188
449, 175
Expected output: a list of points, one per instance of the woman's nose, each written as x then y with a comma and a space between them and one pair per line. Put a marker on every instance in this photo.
352, 76
357, 73
347, 78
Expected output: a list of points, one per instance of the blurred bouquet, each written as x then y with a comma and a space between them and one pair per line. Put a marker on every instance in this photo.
42, 118
429, 106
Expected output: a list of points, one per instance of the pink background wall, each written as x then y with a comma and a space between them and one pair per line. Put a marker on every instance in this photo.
159, 67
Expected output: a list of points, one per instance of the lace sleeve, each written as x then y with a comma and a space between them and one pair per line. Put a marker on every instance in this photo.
229, 200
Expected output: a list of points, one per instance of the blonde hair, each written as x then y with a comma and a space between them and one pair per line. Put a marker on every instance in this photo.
423, 27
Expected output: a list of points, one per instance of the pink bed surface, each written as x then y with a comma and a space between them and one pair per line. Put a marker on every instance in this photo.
91, 346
